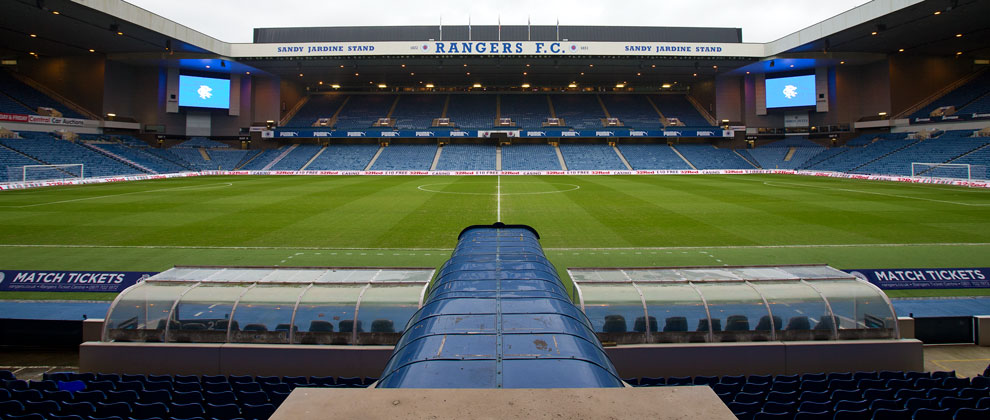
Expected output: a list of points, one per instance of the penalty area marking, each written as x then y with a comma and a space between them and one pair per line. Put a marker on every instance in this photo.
498, 191
187, 187
791, 184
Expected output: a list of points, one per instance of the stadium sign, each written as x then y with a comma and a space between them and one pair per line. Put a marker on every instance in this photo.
69, 281
497, 48
925, 278
545, 133
41, 119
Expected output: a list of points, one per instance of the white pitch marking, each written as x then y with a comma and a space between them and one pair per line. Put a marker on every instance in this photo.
777, 183
573, 188
223, 184
498, 193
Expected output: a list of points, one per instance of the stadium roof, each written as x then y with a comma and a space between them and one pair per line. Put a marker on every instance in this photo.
127, 33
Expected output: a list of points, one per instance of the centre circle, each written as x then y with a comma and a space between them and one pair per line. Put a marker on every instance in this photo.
507, 188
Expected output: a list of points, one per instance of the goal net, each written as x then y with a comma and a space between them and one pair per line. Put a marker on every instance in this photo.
961, 171
45, 172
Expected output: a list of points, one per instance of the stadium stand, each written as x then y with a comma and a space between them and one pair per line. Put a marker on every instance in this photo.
406, 157
477, 157
533, 157
193, 157
30, 98
318, 106
945, 148
845, 395
704, 156
652, 156
633, 111
857, 157
362, 111
417, 111
344, 157
501, 274
472, 110
677, 106
143, 157
791, 153
526, 110
262, 159
970, 97
590, 156
227, 160
44, 148
579, 111
11, 159
202, 142
298, 157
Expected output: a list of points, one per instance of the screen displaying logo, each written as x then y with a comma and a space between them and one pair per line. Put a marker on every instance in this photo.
790, 91
204, 92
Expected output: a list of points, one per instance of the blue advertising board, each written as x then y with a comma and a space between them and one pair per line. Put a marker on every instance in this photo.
69, 281
925, 278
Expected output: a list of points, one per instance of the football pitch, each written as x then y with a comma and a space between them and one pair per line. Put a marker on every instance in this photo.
584, 221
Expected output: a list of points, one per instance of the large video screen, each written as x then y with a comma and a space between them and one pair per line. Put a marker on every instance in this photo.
204, 92
791, 91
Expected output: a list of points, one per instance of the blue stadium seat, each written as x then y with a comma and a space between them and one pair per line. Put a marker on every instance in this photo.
745, 397
129, 385
785, 386
296, 381
64, 417
246, 386
277, 397
71, 386
214, 379
217, 386
11, 407
647, 381
972, 414
257, 411
680, 380
863, 414
954, 403
815, 407
279, 387
15, 384
223, 411
772, 416
939, 393
150, 410
186, 387
890, 375
220, 398
815, 396
932, 414
843, 384
267, 379
782, 397
119, 409
739, 379
705, 380
80, 408
917, 403
745, 407
185, 379
776, 407
180, 397
848, 395
186, 410
872, 384
851, 405
892, 414
760, 379
944, 374
860, 375
252, 397
127, 396
26, 416
6, 375
910, 393
975, 393
816, 386
813, 415
878, 394
101, 386
322, 381
58, 396
718, 388
112, 377
26, 395
749, 387
350, 382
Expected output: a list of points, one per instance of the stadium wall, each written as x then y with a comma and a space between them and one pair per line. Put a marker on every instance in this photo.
705, 92
265, 93
79, 79
861, 91
914, 78
290, 93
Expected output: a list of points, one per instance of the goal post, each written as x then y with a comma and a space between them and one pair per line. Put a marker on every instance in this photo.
960, 171
45, 172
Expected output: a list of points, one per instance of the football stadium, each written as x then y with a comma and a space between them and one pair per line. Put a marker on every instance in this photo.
494, 221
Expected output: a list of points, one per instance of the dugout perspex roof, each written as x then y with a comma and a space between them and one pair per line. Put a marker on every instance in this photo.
273, 305
718, 304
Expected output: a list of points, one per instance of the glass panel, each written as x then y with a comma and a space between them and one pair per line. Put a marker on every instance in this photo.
141, 311
326, 314
264, 314
860, 310
677, 314
203, 314
613, 310
386, 309
736, 311
797, 310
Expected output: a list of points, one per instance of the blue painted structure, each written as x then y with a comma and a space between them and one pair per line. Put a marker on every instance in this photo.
498, 316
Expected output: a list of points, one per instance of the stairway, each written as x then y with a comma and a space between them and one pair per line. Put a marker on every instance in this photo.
320, 152
278, 158
622, 158
374, 158
436, 158
683, 158
560, 157
119, 158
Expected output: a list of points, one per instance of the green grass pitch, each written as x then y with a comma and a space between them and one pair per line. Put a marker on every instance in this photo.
584, 221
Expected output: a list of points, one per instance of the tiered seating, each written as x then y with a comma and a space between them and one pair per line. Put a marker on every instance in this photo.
44, 148
942, 149
226, 160
406, 157
961, 97
10, 159
652, 156
704, 156
141, 157
471, 157
526, 110
362, 111
530, 157
859, 156
193, 158
417, 111
344, 157
295, 160
578, 111
263, 159
201, 142
319, 106
590, 156
10, 106
472, 110
771, 156
634, 111
678, 106
30, 97
850, 395
139, 397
